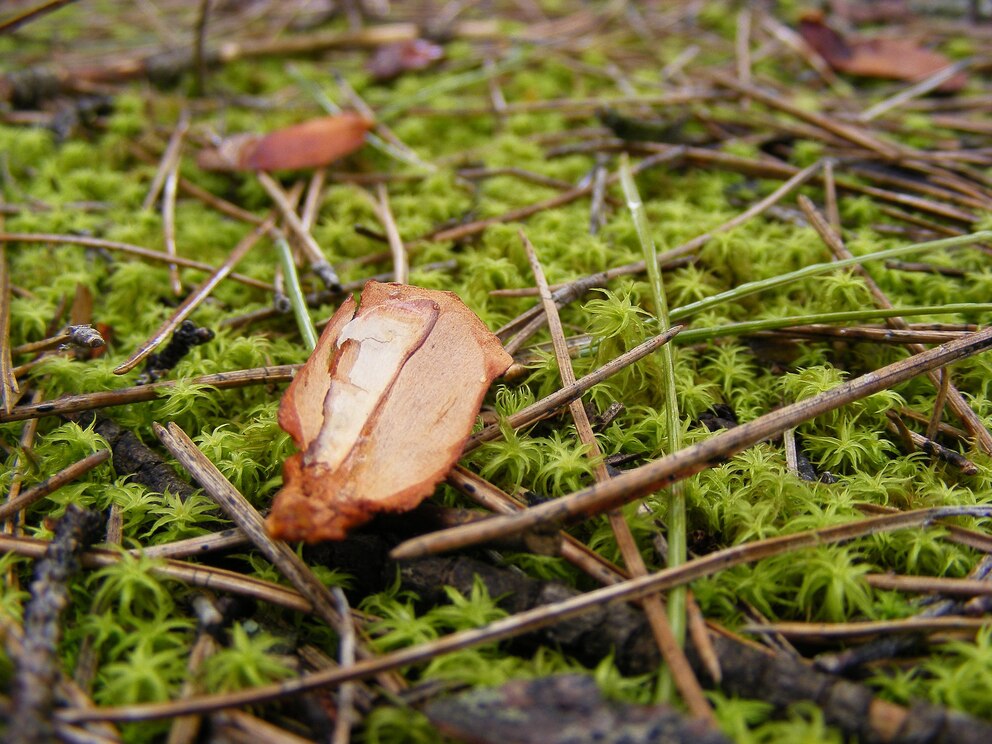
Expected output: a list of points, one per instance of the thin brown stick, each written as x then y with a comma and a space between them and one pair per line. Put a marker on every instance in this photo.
166, 165
200, 545
921, 88
914, 441
798, 44
133, 250
742, 48
926, 268
195, 298
530, 620
144, 393
865, 333
169, 222
547, 406
668, 644
82, 336
938, 404
21, 464
959, 405
217, 579
318, 263
830, 194
855, 135
32, 14
401, 268
9, 390
313, 198
199, 47
869, 628
238, 726
653, 476
243, 514
185, 729
578, 105
930, 585
53, 483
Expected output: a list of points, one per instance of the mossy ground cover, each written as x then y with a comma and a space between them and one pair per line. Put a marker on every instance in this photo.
141, 627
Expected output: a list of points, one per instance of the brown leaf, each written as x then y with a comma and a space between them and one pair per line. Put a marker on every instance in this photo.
862, 13
881, 57
392, 60
310, 144
382, 408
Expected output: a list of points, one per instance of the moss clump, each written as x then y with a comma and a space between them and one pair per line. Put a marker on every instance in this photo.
142, 627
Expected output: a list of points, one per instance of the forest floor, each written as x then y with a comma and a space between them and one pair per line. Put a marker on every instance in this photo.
764, 518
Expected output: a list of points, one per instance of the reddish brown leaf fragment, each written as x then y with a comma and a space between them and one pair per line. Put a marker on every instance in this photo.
881, 57
310, 144
880, 11
392, 60
382, 409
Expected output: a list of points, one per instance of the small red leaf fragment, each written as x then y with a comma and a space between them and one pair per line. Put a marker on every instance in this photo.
392, 60
310, 144
382, 408
880, 57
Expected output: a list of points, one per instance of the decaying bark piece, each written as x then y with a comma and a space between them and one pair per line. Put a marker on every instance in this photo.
37, 668
382, 408
748, 671
559, 709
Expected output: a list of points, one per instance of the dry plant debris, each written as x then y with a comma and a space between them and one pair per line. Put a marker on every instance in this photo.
818, 183
883, 57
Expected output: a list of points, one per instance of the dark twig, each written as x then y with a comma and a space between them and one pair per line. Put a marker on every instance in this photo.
134, 458
37, 667
80, 336
199, 47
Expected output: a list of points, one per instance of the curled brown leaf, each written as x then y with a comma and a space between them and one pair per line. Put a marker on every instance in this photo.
878, 57
310, 144
382, 408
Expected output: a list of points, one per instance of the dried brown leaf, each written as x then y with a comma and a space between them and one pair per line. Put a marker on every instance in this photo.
310, 144
382, 408
880, 57
392, 60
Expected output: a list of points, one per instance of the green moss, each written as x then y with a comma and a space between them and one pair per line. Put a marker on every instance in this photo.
142, 626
